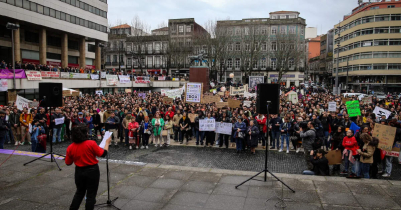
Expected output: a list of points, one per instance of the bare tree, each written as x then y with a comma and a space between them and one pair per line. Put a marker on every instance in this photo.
287, 52
116, 42
139, 31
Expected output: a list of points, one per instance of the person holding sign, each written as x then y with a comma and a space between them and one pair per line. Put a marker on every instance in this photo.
83, 153
25, 119
209, 134
224, 137
185, 127
199, 134
367, 152
253, 133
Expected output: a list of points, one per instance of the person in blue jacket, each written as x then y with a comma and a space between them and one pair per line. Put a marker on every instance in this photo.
239, 134
37, 129
284, 129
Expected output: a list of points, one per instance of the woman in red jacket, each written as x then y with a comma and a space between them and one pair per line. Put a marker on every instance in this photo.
350, 150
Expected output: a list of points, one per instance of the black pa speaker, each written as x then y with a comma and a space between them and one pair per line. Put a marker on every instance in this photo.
268, 92
51, 94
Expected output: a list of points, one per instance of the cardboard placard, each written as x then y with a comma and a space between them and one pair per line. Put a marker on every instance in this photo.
334, 157
386, 136
12, 95
192, 117
167, 100
234, 103
396, 150
128, 91
367, 100
344, 100
75, 93
207, 99
353, 108
221, 104
66, 92
220, 93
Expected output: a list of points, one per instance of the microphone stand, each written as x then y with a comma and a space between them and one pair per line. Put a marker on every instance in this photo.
109, 203
266, 170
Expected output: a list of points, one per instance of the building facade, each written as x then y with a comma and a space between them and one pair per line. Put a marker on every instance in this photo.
368, 42
256, 44
58, 33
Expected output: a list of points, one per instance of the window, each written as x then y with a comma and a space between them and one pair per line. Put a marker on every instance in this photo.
264, 46
273, 63
91, 48
395, 42
395, 17
26, 4
372, 8
46, 11
18, 3
365, 67
237, 31
382, 18
33, 7
31, 37
237, 63
52, 13
230, 47
108, 58
274, 46
58, 13
229, 63
302, 30
291, 63
380, 42
367, 19
246, 29
292, 30
188, 29
255, 64
379, 54
40, 9
237, 46
366, 55
150, 48
367, 31
263, 63
395, 29
390, 6
381, 30
394, 66
247, 47
380, 66
282, 29
394, 55
274, 30
114, 58
264, 30
181, 29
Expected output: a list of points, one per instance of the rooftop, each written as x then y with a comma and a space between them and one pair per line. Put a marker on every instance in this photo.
121, 26
283, 12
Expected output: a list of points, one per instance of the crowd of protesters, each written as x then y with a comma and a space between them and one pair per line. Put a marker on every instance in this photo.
137, 123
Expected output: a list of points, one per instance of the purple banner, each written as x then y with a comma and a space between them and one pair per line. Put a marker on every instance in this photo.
143, 95
9, 74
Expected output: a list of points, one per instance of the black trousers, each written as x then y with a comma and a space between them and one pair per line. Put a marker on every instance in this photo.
223, 138
87, 182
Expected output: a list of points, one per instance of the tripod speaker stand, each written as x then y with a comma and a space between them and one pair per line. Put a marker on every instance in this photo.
273, 96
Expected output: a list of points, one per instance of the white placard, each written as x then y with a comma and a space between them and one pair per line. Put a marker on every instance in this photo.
59, 121
95, 76
332, 106
106, 136
207, 125
380, 112
124, 79
224, 128
173, 93
247, 103
22, 103
255, 80
99, 92
248, 95
3, 85
193, 92
111, 80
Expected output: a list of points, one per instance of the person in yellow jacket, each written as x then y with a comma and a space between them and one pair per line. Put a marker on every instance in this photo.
25, 120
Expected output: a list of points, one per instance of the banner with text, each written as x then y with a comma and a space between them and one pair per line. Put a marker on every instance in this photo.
33, 75
94, 76
3, 85
111, 80
353, 109
22, 102
124, 79
50, 74
193, 92
9, 74
238, 90
224, 128
207, 125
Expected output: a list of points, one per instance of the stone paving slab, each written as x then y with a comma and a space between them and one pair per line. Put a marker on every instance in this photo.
156, 186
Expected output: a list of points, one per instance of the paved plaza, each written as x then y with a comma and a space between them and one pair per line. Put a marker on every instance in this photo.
159, 186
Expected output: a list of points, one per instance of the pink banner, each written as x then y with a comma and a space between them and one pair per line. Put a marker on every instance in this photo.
8, 74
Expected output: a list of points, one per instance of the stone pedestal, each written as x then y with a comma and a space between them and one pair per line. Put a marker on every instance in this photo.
200, 74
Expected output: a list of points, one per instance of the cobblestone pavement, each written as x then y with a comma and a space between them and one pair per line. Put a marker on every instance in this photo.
153, 186
218, 158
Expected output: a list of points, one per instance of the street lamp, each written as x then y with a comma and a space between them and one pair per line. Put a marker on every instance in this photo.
13, 27
101, 45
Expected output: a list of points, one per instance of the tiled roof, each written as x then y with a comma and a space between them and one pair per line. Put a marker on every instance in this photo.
121, 26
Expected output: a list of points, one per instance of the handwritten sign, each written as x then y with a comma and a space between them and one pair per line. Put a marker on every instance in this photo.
207, 125
224, 128
128, 91
334, 157
367, 100
353, 108
193, 92
22, 102
192, 117
167, 100
386, 136
344, 100
207, 99
247, 103
234, 103
173, 93
332, 106
33, 75
221, 104
238, 90
59, 121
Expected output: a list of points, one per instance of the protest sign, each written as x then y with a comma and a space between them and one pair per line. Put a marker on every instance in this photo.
220, 93
207, 125
128, 91
234, 103
224, 128
98, 92
255, 80
50, 74
238, 90
59, 121
247, 103
353, 109
75, 93
210, 99
95, 76
167, 100
3, 85
124, 79
142, 95
332, 106
367, 100
111, 80
33, 104
192, 117
386, 136
173, 93
66, 92
12, 95
33, 75
248, 95
193, 92
334, 157
22, 103
221, 104
395, 152
344, 100
381, 112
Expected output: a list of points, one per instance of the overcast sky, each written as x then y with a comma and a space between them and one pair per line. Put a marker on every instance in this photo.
322, 14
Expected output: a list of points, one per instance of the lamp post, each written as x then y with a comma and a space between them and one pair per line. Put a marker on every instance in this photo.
101, 45
338, 61
13, 27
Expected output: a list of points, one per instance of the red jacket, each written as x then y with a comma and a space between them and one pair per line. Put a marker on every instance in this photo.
351, 144
170, 114
262, 122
